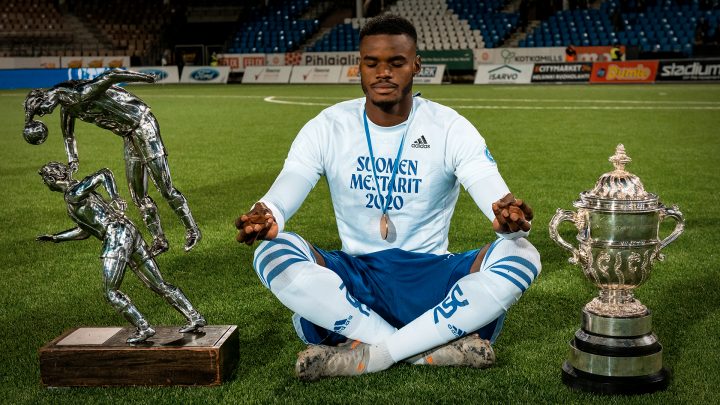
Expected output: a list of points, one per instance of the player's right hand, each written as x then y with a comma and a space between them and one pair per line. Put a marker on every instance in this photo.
45, 238
511, 215
259, 223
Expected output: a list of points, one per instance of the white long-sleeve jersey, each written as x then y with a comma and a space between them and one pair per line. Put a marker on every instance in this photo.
442, 150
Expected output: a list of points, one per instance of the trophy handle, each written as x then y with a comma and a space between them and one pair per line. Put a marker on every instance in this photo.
675, 214
562, 215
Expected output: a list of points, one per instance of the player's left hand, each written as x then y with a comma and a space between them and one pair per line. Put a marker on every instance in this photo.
511, 215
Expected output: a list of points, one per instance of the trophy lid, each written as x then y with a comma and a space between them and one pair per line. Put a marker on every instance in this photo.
618, 190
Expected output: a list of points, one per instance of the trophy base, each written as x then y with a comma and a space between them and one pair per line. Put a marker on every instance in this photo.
646, 384
615, 356
91, 357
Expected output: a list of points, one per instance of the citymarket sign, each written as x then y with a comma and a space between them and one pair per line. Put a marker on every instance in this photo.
561, 72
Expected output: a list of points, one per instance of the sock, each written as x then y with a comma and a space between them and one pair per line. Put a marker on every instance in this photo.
379, 359
474, 301
287, 267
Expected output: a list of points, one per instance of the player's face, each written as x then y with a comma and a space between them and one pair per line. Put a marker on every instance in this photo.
387, 66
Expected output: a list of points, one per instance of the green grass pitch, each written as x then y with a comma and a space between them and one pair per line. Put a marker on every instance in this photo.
226, 145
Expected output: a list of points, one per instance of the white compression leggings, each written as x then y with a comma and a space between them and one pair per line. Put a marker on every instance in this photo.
286, 266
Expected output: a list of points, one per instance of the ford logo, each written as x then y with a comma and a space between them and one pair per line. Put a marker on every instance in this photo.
204, 74
159, 74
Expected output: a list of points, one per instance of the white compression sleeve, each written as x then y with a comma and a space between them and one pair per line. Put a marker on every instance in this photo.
485, 192
286, 195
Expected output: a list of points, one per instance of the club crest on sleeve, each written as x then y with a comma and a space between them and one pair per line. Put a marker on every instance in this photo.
488, 155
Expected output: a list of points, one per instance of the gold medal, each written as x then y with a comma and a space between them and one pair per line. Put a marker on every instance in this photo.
384, 227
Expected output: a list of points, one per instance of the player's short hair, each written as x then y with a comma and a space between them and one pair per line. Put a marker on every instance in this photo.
56, 170
388, 24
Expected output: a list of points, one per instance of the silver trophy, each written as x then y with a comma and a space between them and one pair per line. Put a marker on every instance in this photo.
123, 245
618, 224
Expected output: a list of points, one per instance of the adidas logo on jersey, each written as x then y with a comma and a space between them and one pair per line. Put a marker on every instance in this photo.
421, 143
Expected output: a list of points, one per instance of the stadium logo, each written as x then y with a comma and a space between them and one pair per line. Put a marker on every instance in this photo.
156, 73
204, 75
421, 143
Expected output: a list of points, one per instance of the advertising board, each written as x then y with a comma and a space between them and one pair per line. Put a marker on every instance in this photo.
315, 74
163, 74
35, 78
503, 74
513, 56
624, 72
39, 62
430, 74
205, 74
689, 70
267, 74
94, 61
561, 72
239, 61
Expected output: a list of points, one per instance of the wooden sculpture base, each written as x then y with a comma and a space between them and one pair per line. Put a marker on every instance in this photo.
93, 357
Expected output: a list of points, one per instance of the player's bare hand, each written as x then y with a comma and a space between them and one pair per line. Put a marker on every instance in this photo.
511, 215
258, 224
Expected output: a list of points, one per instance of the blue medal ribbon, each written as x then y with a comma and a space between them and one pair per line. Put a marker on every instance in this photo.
396, 164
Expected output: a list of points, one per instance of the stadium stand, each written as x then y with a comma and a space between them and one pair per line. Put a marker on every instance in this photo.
32, 28
677, 28
130, 30
664, 27
277, 28
438, 26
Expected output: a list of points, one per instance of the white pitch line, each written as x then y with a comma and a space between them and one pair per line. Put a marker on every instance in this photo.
583, 107
271, 99
531, 100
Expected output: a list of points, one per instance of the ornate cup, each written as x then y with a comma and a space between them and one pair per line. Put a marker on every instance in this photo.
618, 226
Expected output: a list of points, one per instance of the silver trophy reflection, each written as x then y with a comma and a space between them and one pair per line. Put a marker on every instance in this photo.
99, 101
122, 245
618, 225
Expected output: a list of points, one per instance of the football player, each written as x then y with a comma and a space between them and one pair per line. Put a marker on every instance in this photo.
393, 292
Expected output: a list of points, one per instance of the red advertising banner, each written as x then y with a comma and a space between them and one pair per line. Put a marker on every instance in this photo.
624, 72
595, 53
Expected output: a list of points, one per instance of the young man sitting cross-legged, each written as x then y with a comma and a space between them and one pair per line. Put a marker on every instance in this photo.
394, 164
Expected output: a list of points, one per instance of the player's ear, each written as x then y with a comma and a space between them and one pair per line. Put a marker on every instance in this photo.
417, 65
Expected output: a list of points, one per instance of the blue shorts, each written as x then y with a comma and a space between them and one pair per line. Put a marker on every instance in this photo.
398, 285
